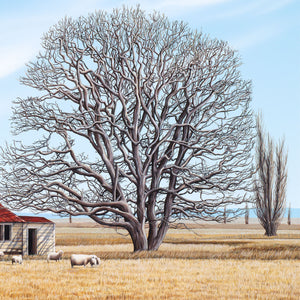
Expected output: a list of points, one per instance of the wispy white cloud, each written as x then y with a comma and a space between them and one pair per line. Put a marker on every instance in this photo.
20, 33
19, 42
255, 37
237, 8
190, 3
267, 28
174, 7
12, 58
274, 6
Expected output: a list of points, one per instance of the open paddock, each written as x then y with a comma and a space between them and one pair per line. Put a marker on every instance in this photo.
201, 262
216, 241
152, 279
259, 250
90, 233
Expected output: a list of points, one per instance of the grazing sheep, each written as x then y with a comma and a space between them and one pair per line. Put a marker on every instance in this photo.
94, 261
55, 256
17, 259
1, 254
84, 259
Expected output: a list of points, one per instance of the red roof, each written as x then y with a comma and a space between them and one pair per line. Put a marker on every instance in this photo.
35, 219
6, 216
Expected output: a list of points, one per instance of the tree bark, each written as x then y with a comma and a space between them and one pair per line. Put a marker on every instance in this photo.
139, 239
160, 236
271, 229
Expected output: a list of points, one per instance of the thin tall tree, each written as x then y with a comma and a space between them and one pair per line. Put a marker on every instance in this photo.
247, 214
289, 215
225, 215
270, 183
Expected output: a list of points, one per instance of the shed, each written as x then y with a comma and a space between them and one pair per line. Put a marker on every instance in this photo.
25, 235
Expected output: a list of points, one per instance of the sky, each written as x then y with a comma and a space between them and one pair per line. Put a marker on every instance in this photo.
266, 33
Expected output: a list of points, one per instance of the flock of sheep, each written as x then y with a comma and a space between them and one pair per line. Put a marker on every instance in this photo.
76, 259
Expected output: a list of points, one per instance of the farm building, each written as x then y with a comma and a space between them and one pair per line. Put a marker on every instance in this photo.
25, 235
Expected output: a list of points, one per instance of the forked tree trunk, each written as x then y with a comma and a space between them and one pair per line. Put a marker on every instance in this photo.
271, 229
141, 243
136, 232
161, 233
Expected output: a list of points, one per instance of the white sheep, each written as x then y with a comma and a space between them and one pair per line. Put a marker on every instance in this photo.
94, 261
1, 254
55, 255
84, 259
17, 259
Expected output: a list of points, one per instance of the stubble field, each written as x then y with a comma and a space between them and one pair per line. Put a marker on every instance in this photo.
202, 262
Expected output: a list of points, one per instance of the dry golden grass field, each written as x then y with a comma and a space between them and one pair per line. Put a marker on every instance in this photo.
202, 262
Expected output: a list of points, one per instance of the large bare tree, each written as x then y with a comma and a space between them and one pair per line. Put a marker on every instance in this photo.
270, 182
138, 120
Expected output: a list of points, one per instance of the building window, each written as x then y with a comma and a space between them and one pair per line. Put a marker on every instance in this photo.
5, 232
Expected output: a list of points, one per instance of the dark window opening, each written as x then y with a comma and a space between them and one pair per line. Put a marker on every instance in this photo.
7, 232
32, 241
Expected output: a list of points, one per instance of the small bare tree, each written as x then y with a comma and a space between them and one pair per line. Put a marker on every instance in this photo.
247, 214
270, 184
289, 222
224, 215
137, 116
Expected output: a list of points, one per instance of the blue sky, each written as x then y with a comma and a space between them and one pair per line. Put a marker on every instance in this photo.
265, 32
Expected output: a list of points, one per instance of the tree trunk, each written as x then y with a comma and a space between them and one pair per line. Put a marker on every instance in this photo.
164, 226
135, 230
152, 235
139, 239
152, 223
271, 229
